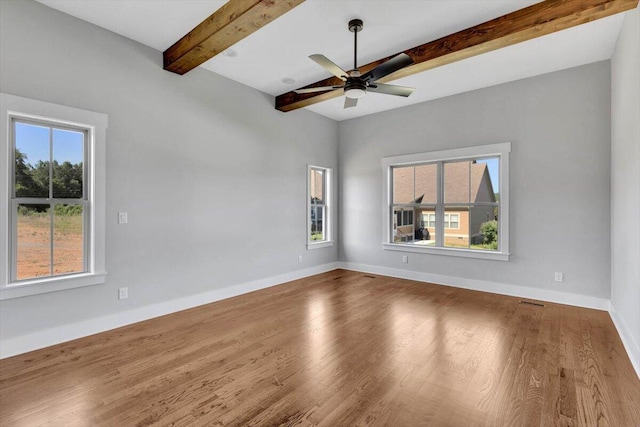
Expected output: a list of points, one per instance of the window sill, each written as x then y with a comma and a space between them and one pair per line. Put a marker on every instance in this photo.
52, 284
464, 253
318, 245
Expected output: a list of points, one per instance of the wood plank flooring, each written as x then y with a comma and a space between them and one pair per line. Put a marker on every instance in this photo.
338, 349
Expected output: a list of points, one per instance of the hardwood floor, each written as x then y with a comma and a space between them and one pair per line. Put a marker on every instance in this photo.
338, 349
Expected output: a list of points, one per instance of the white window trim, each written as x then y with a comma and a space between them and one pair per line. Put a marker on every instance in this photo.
328, 220
12, 106
502, 150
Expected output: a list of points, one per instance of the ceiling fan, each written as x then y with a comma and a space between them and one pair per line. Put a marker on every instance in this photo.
355, 85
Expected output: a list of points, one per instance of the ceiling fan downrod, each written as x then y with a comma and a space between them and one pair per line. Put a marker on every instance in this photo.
355, 26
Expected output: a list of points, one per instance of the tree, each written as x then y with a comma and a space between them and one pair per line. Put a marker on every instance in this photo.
26, 186
67, 180
33, 181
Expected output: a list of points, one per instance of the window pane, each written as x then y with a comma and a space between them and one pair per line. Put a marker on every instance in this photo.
31, 160
404, 228
457, 237
68, 160
317, 223
67, 239
489, 187
403, 184
34, 241
316, 182
426, 190
484, 227
456, 182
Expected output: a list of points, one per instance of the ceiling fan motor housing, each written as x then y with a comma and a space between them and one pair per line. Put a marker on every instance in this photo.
355, 87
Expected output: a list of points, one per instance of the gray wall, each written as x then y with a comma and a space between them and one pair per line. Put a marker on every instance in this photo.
559, 127
212, 176
625, 180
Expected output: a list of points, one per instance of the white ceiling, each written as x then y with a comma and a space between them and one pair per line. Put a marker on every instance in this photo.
281, 49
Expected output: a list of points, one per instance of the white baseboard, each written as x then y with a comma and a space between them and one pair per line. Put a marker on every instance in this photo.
41, 339
628, 339
484, 286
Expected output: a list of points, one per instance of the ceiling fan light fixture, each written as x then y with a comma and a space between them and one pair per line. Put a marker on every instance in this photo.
355, 88
355, 93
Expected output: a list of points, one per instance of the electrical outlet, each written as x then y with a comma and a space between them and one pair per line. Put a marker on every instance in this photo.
559, 277
299, 259
123, 293
122, 217
405, 259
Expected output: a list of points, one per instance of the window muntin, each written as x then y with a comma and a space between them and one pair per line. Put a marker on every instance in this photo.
49, 200
458, 207
318, 206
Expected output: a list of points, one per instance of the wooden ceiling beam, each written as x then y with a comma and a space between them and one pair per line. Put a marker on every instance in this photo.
234, 21
525, 24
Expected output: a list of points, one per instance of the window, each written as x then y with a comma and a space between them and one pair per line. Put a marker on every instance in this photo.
404, 217
318, 207
49, 201
459, 196
53, 232
451, 220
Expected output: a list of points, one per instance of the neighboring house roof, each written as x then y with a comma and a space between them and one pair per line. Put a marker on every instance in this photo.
464, 182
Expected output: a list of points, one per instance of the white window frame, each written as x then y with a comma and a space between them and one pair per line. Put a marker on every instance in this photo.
327, 221
18, 108
501, 150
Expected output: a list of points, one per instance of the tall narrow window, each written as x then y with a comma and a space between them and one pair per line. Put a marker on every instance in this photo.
318, 207
460, 198
54, 231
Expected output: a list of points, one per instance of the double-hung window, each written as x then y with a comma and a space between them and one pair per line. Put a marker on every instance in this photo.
53, 195
318, 207
459, 199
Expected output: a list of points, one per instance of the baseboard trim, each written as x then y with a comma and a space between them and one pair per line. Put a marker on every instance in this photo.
628, 340
484, 286
41, 339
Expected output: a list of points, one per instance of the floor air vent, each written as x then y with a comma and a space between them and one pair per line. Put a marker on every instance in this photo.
537, 304
369, 276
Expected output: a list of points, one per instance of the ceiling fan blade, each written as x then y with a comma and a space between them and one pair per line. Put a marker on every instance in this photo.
388, 67
330, 66
350, 102
317, 89
390, 89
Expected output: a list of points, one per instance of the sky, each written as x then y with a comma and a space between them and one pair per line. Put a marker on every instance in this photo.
33, 141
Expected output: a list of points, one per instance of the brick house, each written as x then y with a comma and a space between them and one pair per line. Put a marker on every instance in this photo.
466, 183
